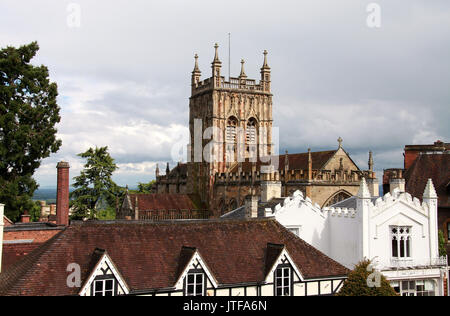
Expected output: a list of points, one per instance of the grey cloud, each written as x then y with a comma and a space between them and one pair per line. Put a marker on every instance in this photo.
379, 89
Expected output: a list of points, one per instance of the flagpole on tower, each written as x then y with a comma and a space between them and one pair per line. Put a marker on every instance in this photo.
229, 57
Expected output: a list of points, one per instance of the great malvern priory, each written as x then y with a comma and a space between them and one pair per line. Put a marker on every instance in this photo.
242, 228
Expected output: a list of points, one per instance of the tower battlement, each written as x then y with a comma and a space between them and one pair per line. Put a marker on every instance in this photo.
236, 84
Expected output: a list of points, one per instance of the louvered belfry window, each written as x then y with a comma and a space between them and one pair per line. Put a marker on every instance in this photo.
231, 130
251, 132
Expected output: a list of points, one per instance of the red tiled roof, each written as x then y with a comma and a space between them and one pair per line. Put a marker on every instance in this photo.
430, 166
165, 201
300, 161
148, 255
12, 253
296, 161
7, 221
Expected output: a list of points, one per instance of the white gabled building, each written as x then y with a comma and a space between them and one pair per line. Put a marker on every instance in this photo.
397, 232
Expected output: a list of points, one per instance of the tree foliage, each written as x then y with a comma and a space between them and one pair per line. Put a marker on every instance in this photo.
28, 115
144, 188
357, 285
94, 188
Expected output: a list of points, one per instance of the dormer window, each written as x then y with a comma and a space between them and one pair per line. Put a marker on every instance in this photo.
105, 287
283, 280
195, 284
401, 242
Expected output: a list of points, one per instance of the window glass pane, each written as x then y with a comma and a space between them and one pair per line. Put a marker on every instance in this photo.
191, 278
429, 285
199, 278
394, 248
408, 251
98, 285
199, 290
278, 273
279, 282
109, 285
402, 248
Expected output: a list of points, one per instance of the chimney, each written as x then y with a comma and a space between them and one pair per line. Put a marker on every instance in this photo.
2, 219
270, 187
62, 194
374, 186
397, 182
26, 217
251, 206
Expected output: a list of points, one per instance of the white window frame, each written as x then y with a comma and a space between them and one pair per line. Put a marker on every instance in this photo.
401, 238
195, 284
103, 291
295, 230
283, 277
411, 287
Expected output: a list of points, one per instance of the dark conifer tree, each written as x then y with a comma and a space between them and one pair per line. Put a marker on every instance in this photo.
28, 115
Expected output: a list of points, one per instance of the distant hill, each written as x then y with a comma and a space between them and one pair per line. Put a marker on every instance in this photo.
47, 194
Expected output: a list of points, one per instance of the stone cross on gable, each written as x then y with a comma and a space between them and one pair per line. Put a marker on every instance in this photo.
340, 140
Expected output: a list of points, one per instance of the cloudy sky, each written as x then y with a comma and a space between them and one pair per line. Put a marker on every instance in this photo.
124, 74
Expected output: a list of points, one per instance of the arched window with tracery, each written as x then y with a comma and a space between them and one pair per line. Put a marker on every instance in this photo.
230, 139
251, 131
338, 197
251, 137
231, 130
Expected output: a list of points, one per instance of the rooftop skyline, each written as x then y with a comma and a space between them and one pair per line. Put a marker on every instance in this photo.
124, 74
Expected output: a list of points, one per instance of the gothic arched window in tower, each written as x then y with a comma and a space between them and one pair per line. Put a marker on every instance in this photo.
251, 136
232, 124
230, 139
251, 133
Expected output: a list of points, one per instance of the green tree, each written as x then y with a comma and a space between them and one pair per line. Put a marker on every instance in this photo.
28, 115
442, 244
144, 188
357, 285
95, 190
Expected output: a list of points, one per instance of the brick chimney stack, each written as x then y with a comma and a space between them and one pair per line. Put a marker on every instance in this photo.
26, 217
62, 194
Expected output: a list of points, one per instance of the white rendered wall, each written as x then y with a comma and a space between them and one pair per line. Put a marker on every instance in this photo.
340, 234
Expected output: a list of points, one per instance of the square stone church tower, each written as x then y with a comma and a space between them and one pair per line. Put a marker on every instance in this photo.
229, 121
